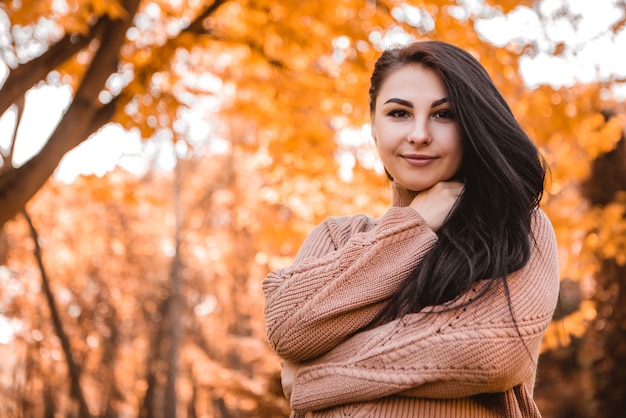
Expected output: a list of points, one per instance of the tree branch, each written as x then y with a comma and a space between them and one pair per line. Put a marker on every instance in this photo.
72, 367
7, 160
18, 186
26, 75
101, 117
197, 26
256, 48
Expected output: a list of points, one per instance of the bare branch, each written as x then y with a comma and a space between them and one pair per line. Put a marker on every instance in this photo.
72, 367
197, 26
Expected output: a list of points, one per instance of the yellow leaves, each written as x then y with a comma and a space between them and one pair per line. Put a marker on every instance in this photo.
75, 24
111, 8
573, 142
239, 22
140, 58
568, 127
559, 49
599, 136
25, 12
81, 14
618, 25
560, 332
508, 5
609, 238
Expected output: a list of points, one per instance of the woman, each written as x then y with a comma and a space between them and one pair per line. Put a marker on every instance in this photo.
438, 307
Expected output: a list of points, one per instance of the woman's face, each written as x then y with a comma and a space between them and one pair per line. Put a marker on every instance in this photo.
415, 130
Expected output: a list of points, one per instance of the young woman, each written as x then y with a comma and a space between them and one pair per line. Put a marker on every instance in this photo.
438, 307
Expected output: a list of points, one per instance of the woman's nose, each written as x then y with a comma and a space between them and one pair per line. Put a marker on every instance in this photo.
419, 133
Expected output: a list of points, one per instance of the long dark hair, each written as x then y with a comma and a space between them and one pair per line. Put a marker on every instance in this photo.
487, 234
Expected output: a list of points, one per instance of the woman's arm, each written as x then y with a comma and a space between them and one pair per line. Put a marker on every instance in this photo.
344, 271
468, 350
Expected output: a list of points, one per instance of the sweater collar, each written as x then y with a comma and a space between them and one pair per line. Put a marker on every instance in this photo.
401, 195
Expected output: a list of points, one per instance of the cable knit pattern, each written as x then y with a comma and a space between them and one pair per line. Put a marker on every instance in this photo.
307, 313
425, 364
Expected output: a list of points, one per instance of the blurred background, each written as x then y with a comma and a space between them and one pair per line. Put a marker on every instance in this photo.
160, 157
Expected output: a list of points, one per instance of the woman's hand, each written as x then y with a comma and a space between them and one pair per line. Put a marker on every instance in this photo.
435, 204
287, 375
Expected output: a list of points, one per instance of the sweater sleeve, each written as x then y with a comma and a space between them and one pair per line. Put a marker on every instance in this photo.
341, 275
486, 346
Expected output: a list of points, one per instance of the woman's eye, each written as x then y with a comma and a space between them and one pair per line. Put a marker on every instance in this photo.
443, 114
398, 113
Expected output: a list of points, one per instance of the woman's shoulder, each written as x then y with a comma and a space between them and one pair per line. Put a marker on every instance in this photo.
543, 235
540, 223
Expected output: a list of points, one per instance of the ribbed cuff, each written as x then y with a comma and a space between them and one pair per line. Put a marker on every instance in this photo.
401, 195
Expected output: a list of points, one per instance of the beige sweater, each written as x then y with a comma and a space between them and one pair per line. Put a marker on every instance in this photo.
423, 365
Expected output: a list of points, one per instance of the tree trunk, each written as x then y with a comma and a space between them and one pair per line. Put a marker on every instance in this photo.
154, 364
175, 332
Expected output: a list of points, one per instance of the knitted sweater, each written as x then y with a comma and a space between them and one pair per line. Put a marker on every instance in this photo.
422, 365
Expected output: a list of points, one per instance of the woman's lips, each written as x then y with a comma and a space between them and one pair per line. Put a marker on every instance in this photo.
417, 160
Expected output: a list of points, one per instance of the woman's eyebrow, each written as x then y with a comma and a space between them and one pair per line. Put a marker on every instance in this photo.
439, 102
400, 102
408, 104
